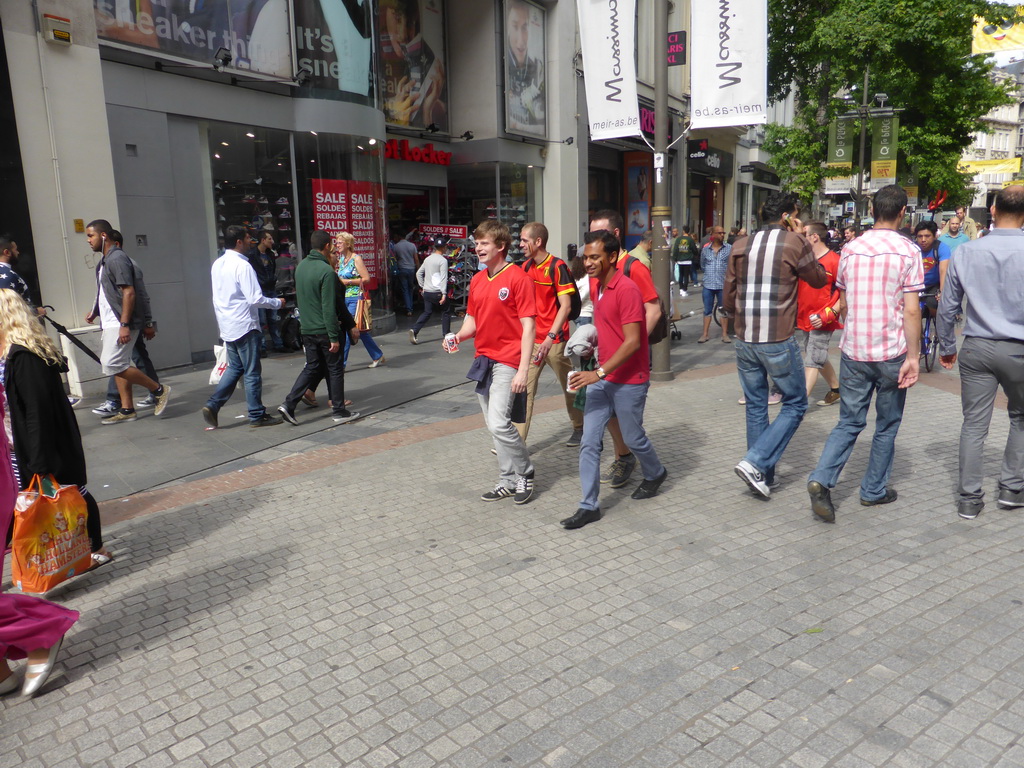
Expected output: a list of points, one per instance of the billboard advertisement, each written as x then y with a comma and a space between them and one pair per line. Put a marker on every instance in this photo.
334, 41
414, 82
257, 33
525, 91
608, 40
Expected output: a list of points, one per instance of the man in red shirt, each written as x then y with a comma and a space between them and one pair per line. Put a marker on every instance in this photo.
617, 475
554, 287
817, 315
500, 314
619, 386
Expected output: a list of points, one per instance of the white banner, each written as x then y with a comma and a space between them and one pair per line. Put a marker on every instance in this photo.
608, 39
729, 62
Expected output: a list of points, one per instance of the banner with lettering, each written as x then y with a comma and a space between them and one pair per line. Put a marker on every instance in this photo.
884, 141
728, 63
356, 207
838, 179
608, 40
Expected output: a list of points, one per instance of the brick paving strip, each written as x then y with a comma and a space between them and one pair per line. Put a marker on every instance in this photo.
196, 491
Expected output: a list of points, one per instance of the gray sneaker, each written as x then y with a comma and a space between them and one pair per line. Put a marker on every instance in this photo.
575, 439
412, 337
149, 401
620, 470
266, 420
1010, 499
107, 409
345, 417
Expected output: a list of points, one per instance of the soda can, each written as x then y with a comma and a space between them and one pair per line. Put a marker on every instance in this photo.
568, 382
451, 343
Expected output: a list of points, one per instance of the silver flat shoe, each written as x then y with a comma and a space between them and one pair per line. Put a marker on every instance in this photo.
36, 675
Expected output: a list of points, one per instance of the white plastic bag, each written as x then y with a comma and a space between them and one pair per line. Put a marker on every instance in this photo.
220, 366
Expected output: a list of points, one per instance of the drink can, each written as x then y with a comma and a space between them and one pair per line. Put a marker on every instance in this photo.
815, 316
568, 380
451, 343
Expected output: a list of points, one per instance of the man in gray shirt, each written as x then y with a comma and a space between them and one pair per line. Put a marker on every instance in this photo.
989, 273
406, 255
433, 279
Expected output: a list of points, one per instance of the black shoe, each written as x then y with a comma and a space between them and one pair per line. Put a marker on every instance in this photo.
889, 498
210, 416
499, 492
574, 439
821, 502
524, 489
287, 415
1010, 499
263, 353
649, 488
344, 416
581, 518
969, 509
266, 420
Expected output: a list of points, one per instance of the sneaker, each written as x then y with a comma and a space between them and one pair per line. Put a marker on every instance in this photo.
683, 294
620, 474
345, 416
282, 201
161, 397
831, 398
500, 492
378, 362
574, 439
753, 478
285, 227
266, 420
524, 489
287, 415
149, 401
285, 214
107, 409
969, 509
263, 200
249, 198
120, 417
774, 398
1010, 499
210, 416
412, 337
742, 401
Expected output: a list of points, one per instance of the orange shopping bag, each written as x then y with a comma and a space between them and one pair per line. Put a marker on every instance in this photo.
50, 543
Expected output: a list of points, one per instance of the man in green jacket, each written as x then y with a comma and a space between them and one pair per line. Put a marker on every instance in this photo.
684, 251
316, 292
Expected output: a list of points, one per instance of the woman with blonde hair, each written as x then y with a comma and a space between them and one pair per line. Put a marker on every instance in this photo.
353, 275
47, 440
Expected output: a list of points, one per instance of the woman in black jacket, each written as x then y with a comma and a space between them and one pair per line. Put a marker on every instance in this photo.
46, 435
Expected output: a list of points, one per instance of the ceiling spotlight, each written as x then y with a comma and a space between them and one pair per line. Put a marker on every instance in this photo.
314, 133
216, 155
224, 144
303, 76
372, 142
221, 58
467, 136
433, 128
251, 135
360, 147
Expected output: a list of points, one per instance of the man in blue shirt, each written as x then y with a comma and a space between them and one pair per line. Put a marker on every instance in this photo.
8, 277
954, 236
989, 273
933, 253
714, 258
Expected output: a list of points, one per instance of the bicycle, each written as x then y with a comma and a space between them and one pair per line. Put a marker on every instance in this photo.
929, 333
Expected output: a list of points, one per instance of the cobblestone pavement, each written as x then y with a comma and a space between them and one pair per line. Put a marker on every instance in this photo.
355, 604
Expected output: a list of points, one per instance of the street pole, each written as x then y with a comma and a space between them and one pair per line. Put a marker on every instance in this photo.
661, 364
863, 140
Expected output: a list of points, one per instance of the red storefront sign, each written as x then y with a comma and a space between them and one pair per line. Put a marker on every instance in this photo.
401, 150
448, 230
356, 207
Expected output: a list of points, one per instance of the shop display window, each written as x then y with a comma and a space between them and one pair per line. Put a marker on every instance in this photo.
509, 192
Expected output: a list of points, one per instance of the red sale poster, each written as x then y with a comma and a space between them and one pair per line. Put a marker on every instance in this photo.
356, 207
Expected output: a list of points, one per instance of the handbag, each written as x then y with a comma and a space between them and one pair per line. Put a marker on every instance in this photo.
50, 543
221, 353
364, 314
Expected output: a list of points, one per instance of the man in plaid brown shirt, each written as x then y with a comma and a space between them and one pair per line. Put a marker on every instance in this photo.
760, 295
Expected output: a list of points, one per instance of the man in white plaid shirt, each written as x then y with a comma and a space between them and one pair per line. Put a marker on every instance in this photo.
880, 275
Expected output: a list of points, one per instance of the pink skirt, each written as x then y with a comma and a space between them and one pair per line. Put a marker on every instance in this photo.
28, 623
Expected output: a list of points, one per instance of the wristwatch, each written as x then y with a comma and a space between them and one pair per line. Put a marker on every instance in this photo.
552, 336
125, 325
600, 373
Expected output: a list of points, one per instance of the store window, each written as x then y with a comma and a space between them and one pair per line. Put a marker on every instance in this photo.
509, 192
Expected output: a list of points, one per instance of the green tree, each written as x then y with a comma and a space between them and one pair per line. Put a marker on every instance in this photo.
917, 51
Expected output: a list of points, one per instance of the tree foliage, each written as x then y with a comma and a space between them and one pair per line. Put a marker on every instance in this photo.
917, 51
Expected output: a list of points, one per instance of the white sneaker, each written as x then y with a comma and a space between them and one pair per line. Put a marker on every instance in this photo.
683, 294
753, 478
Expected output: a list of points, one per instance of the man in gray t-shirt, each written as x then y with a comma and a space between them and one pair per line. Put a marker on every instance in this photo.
406, 261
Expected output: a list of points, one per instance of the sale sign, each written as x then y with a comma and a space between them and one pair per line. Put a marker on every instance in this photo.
356, 207
451, 231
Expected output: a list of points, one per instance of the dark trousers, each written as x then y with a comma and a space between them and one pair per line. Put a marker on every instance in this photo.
320, 363
432, 301
140, 357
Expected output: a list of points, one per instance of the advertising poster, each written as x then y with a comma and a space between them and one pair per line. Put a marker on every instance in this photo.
993, 36
257, 32
525, 94
356, 207
638, 196
729, 73
334, 41
840, 158
885, 133
608, 39
413, 77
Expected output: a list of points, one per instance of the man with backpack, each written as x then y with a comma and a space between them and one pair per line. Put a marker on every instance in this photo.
558, 302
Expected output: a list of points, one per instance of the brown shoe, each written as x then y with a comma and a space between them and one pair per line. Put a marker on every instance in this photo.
830, 399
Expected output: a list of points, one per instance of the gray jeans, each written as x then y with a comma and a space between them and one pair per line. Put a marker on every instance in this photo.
513, 458
986, 365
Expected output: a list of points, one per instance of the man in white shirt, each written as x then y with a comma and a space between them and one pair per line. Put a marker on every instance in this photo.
237, 299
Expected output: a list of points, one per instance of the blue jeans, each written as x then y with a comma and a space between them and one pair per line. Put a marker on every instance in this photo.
270, 319
432, 301
371, 346
406, 281
606, 399
711, 296
243, 363
755, 363
858, 381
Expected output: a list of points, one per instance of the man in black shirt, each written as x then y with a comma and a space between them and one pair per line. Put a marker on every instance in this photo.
264, 261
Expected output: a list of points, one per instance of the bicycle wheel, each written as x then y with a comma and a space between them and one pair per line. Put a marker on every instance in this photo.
714, 315
926, 344
930, 361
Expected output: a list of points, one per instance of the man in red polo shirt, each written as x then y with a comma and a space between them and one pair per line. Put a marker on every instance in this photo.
617, 475
500, 314
619, 386
553, 291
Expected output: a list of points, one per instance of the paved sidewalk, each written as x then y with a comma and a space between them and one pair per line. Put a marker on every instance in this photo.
373, 612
